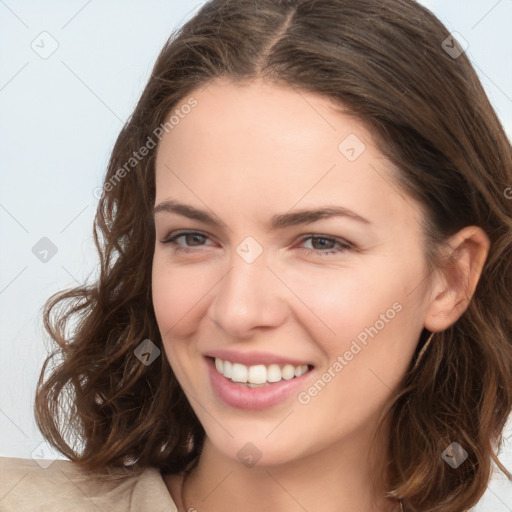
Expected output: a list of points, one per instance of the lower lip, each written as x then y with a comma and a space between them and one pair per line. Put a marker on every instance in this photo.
244, 397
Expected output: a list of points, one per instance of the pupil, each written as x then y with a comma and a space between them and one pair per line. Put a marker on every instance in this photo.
196, 235
321, 239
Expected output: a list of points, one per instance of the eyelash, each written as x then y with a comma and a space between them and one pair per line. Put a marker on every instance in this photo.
344, 246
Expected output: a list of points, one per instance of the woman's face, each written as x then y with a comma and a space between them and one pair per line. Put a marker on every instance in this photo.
256, 289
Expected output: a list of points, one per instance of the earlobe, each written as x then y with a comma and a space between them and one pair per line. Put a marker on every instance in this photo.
457, 281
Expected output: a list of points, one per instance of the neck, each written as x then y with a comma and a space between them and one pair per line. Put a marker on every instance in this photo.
334, 479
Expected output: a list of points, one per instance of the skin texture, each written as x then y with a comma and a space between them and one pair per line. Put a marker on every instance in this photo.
244, 154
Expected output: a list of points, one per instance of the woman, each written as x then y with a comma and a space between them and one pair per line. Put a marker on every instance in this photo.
220, 363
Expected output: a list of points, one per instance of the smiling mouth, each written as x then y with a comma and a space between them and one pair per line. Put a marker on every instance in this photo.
259, 375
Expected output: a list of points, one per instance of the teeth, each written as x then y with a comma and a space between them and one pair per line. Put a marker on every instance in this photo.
239, 373
300, 370
227, 369
258, 375
288, 372
274, 373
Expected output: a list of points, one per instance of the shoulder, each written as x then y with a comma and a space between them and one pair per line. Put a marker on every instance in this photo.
62, 486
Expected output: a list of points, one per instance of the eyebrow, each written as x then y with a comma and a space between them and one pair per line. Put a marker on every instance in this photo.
279, 221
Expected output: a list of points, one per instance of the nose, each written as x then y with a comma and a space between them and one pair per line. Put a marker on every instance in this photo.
248, 297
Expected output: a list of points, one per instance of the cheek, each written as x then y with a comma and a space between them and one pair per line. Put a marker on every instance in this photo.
366, 315
177, 294
342, 302
366, 355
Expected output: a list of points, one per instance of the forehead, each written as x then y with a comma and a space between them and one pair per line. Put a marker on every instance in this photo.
241, 117
242, 143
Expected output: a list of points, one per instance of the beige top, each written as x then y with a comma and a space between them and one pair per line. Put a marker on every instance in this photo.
26, 485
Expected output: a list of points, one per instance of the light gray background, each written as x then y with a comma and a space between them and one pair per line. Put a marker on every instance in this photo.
60, 118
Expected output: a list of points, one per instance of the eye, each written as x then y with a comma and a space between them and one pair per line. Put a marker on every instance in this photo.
188, 236
324, 245
323, 251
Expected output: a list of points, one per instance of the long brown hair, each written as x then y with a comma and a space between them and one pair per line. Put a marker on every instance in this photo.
385, 62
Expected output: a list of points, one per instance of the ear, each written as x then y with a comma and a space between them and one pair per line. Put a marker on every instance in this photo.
456, 282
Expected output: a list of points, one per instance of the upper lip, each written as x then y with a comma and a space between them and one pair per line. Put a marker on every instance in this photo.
252, 358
